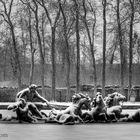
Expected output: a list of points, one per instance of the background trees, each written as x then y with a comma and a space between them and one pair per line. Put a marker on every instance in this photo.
75, 35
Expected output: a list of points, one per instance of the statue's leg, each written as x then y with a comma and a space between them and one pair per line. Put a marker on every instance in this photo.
34, 110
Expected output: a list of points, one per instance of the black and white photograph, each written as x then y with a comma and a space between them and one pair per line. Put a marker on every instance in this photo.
69, 69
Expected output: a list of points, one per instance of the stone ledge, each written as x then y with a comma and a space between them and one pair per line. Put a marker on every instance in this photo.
4, 105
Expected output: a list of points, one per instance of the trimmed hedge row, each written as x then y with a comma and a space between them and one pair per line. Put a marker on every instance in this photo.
9, 94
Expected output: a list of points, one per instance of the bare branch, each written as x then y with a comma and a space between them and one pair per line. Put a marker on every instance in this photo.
46, 11
40, 2
57, 17
5, 9
10, 7
70, 27
4, 18
28, 5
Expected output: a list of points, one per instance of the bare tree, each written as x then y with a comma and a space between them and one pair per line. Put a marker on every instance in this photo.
76, 4
6, 14
104, 3
121, 45
131, 46
53, 26
33, 5
31, 46
67, 48
43, 17
91, 36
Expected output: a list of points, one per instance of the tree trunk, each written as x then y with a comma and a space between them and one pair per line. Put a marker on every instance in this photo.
130, 47
16, 58
94, 63
53, 63
42, 62
24, 47
78, 47
32, 67
121, 46
12, 62
67, 53
104, 49
91, 42
32, 52
5, 64
43, 35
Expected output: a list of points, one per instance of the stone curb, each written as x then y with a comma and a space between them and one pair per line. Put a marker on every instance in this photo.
61, 106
